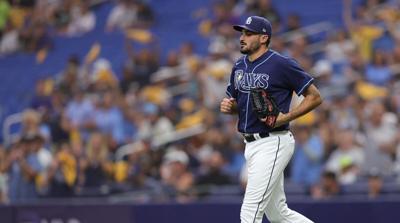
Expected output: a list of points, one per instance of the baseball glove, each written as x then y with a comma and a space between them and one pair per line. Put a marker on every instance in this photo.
263, 104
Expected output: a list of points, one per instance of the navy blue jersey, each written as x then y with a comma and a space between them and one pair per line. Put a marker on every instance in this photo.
278, 74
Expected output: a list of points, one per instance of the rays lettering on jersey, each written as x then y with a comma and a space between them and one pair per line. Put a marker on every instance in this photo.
246, 81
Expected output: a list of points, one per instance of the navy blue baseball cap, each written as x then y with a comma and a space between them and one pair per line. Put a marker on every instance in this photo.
256, 24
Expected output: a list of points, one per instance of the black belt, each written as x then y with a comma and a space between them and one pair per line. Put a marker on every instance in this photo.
252, 137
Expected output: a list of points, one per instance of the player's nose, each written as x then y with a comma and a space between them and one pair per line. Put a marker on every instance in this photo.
241, 38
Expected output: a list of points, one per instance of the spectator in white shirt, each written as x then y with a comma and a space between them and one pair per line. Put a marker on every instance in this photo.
83, 20
122, 16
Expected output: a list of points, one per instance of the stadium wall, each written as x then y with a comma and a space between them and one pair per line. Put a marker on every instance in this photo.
322, 212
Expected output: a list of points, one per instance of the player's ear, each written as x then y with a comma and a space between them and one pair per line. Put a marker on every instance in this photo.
264, 39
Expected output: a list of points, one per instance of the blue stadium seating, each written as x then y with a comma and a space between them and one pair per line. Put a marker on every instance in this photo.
174, 24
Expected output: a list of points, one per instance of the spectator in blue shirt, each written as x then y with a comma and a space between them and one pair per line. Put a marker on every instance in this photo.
307, 161
79, 109
108, 119
23, 168
79, 112
378, 72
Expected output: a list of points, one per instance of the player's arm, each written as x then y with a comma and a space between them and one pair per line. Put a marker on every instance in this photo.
312, 98
229, 105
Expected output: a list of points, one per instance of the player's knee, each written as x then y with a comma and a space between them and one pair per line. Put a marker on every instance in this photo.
279, 214
274, 218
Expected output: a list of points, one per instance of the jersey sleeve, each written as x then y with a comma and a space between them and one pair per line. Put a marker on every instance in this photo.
298, 79
231, 90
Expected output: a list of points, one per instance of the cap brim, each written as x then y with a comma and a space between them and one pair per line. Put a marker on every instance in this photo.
243, 27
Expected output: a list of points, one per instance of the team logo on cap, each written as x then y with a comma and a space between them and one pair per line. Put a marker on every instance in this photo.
248, 21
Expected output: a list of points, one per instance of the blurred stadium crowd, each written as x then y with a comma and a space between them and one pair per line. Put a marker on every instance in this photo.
156, 127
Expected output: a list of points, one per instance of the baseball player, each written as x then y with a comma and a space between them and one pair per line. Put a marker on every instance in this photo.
269, 145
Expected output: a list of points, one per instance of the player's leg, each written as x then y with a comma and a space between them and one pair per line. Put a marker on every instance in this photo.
266, 159
277, 210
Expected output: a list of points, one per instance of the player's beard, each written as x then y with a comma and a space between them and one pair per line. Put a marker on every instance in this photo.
251, 48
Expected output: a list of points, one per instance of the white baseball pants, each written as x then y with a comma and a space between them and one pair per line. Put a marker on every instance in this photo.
266, 160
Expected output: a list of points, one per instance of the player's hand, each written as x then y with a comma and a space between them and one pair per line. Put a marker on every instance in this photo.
227, 105
280, 120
